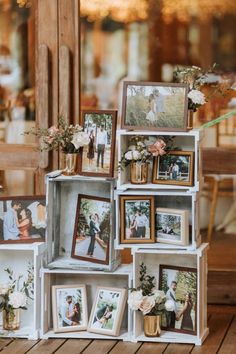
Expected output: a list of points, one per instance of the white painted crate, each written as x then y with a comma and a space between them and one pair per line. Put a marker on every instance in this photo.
62, 193
193, 259
121, 278
174, 199
17, 258
187, 141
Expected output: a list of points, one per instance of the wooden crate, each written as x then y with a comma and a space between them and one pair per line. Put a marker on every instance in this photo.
186, 141
193, 259
17, 257
174, 199
62, 193
121, 278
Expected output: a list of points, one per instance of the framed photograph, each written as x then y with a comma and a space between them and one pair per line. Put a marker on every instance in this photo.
154, 106
176, 167
22, 219
180, 285
69, 308
107, 312
97, 159
172, 226
137, 224
92, 229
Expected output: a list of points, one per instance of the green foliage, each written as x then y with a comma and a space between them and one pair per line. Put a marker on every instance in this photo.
147, 283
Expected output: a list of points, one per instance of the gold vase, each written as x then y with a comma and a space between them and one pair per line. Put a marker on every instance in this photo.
190, 119
70, 163
11, 320
139, 172
152, 326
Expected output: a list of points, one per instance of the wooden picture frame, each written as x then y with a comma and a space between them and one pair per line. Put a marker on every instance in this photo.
98, 159
172, 226
183, 318
92, 230
22, 219
154, 106
171, 168
133, 232
107, 311
67, 314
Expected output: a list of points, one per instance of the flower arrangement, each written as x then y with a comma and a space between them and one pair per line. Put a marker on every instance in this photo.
70, 138
146, 298
16, 293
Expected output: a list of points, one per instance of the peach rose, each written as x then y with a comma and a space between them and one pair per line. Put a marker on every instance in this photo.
147, 304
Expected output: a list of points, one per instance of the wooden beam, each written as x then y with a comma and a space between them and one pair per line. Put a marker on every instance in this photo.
219, 161
19, 157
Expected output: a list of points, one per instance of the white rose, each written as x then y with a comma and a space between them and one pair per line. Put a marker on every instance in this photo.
132, 147
3, 289
80, 139
17, 299
159, 296
129, 155
136, 155
169, 305
147, 304
135, 299
197, 97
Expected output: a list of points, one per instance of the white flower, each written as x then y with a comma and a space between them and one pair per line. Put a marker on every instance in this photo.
129, 155
136, 155
132, 155
169, 305
147, 304
80, 139
132, 147
135, 299
159, 296
17, 299
3, 289
197, 97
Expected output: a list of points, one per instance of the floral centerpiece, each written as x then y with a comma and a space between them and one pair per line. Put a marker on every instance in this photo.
14, 296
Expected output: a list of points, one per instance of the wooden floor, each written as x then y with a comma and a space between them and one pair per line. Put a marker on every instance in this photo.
221, 340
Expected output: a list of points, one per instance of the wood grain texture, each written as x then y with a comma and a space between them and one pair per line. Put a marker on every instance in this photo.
19, 157
179, 349
125, 348
4, 342
64, 83
48, 346
19, 346
229, 344
73, 346
100, 346
212, 161
152, 348
220, 289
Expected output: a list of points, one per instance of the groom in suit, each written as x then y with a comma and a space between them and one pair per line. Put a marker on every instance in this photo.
170, 295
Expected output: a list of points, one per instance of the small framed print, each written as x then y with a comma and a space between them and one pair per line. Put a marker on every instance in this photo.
176, 168
137, 224
107, 312
172, 226
97, 158
154, 106
92, 229
69, 304
22, 219
180, 286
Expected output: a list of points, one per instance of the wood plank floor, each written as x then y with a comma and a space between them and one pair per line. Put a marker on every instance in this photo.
221, 340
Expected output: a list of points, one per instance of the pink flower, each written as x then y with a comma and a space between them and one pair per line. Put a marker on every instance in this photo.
158, 148
147, 304
53, 130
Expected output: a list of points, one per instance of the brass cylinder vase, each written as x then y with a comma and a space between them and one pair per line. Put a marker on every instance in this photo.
11, 319
152, 326
139, 172
70, 163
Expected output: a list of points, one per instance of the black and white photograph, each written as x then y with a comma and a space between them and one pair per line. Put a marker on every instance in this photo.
176, 167
155, 106
180, 286
172, 226
69, 308
22, 219
92, 229
137, 219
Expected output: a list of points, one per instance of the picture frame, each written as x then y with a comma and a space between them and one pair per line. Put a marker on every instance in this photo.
92, 230
174, 168
107, 311
22, 219
97, 159
172, 226
69, 308
154, 106
180, 285
137, 224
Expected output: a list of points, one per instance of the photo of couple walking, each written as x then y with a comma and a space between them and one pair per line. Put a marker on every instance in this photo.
92, 229
137, 219
22, 219
180, 286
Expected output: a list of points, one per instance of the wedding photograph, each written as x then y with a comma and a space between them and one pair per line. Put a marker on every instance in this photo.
69, 304
97, 158
92, 230
172, 226
22, 219
180, 286
155, 106
175, 167
137, 219
107, 311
